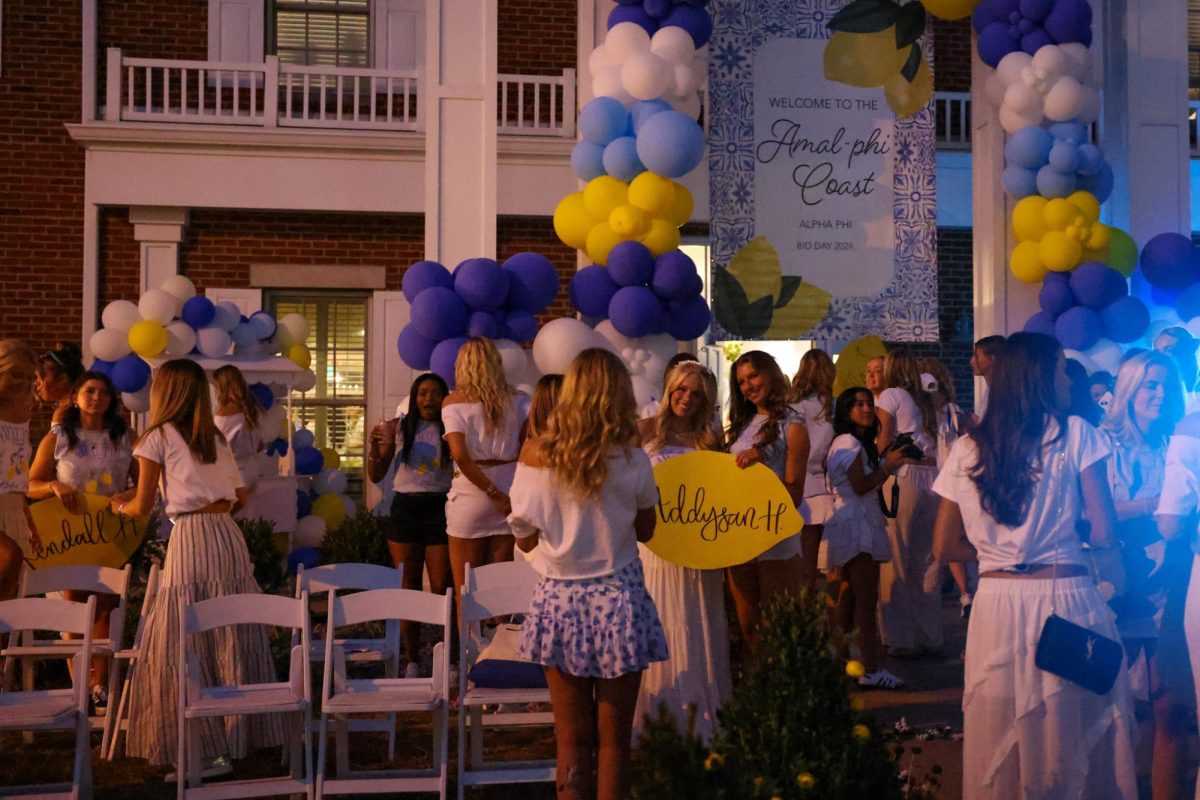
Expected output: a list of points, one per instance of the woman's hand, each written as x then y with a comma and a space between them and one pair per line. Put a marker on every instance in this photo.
383, 436
117, 502
747, 457
502, 502
68, 496
894, 459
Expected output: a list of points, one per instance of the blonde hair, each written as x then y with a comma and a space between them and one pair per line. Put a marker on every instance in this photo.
545, 396
14, 352
231, 388
700, 429
596, 411
815, 377
1120, 420
179, 397
479, 375
900, 371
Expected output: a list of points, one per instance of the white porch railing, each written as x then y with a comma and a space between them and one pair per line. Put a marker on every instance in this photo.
537, 105
952, 120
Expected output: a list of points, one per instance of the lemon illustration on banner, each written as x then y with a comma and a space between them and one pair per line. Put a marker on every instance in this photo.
711, 514
97, 537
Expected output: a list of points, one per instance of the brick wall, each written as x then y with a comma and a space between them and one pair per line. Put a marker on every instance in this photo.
536, 37
952, 55
518, 234
120, 258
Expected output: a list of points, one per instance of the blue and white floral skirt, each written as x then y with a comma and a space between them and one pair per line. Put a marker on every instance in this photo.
595, 627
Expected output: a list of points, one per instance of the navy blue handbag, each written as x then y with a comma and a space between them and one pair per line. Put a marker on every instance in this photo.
1079, 655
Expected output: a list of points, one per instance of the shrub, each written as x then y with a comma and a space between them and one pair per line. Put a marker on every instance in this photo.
265, 555
358, 539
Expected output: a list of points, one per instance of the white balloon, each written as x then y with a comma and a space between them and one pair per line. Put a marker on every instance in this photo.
1022, 98
1051, 62
109, 344
348, 504
559, 341
213, 342
625, 41
1009, 70
994, 89
1013, 122
330, 481
598, 60
292, 329
1091, 106
618, 340
673, 44
688, 105
517, 367
1066, 98
120, 315
310, 532
686, 80
1079, 61
180, 287
607, 83
646, 76
644, 392
305, 381
1106, 354
157, 305
181, 338
137, 402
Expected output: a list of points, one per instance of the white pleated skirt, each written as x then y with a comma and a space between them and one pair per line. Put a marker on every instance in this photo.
206, 558
1027, 733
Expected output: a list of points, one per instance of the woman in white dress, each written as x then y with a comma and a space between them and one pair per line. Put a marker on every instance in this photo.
695, 680
18, 370
812, 400
1012, 491
238, 417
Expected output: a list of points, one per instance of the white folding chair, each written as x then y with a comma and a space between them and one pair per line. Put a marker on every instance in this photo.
197, 701
352, 577
343, 697
82, 578
117, 719
54, 709
492, 591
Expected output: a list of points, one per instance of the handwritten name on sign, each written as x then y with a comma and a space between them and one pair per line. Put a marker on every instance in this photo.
712, 514
97, 537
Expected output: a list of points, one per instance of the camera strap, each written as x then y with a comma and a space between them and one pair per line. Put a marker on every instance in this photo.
895, 509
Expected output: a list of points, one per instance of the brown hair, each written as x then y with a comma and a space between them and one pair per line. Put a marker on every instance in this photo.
179, 397
231, 388
815, 377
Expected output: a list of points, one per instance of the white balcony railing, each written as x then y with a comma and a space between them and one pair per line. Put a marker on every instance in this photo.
274, 95
952, 120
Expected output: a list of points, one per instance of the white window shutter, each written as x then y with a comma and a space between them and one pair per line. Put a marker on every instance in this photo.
399, 34
388, 378
247, 300
235, 31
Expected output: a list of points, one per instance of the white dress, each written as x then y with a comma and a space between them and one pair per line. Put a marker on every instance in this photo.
856, 524
774, 457
470, 513
691, 605
810, 412
245, 441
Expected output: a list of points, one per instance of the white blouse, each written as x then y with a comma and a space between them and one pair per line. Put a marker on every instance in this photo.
907, 416
1181, 482
186, 484
95, 464
245, 441
810, 412
501, 444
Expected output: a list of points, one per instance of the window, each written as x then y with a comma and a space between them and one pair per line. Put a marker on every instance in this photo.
335, 409
321, 32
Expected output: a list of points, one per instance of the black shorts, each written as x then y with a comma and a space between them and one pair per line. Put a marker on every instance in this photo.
418, 518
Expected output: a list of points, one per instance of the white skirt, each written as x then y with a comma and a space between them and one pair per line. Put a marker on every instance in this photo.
695, 678
13, 522
851, 529
470, 513
1030, 734
820, 508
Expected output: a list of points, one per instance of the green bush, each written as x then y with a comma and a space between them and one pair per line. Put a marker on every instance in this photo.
787, 732
358, 539
265, 555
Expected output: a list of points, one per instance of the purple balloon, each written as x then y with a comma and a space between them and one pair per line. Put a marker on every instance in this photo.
673, 273
1069, 21
1035, 40
1078, 328
102, 366
263, 395
414, 348
1041, 322
591, 290
693, 19
443, 357
635, 311
199, 311
522, 326
130, 374
532, 282
1097, 285
1170, 261
635, 14
1035, 10
438, 313
631, 264
1188, 303
1125, 320
995, 43
689, 320
425, 275
483, 325
481, 283
1055, 298
308, 460
657, 8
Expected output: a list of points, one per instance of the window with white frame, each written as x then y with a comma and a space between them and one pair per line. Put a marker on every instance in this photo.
321, 32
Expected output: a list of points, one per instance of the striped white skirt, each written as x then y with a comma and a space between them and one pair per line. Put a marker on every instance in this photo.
206, 558
13, 522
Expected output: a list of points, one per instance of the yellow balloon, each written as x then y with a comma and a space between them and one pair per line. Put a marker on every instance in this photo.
572, 222
1058, 214
1059, 252
603, 194
332, 459
147, 338
652, 193
681, 207
662, 238
1087, 204
1026, 264
298, 354
628, 221
950, 9
1099, 238
600, 242
1027, 221
1122, 252
330, 508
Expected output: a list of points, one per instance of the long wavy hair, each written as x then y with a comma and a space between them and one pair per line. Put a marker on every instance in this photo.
900, 371
815, 377
179, 397
742, 411
843, 424
114, 424
596, 412
231, 388
14, 352
542, 402
1121, 421
479, 375
1022, 402
411, 420
700, 427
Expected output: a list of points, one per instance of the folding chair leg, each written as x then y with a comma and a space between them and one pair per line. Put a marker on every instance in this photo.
441, 748
28, 670
83, 759
114, 670
122, 712
298, 739
341, 739
462, 750
476, 735
322, 740
193, 755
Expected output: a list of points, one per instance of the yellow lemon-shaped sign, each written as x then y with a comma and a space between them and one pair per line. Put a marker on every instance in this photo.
97, 537
711, 514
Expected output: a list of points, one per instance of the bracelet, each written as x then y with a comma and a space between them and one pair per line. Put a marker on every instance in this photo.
121, 507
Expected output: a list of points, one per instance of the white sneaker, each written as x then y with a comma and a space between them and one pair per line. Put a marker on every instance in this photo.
413, 670
881, 679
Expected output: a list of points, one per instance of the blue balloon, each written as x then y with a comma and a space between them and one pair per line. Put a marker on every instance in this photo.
1125, 320
591, 290
443, 357
522, 326
1168, 298
303, 437
1097, 285
657, 8
689, 320
483, 324
414, 349
1064, 157
309, 460
303, 504
130, 374
1069, 21
1075, 132
199, 311
102, 366
621, 159
439, 313
604, 119
1055, 298
644, 109
1188, 303
1035, 10
1019, 181
308, 557
631, 264
263, 395
1078, 328
673, 273
1035, 40
1171, 261
264, 324
1028, 147
277, 447
995, 43
693, 19
1100, 184
635, 311
244, 334
1091, 159
1054, 184
1041, 322
635, 14
670, 144
587, 160
481, 283
425, 275
532, 281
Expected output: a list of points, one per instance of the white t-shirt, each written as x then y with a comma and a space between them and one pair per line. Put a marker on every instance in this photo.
502, 444
810, 412
186, 484
1048, 533
15, 452
583, 537
1181, 483
907, 416
95, 464
424, 471
244, 441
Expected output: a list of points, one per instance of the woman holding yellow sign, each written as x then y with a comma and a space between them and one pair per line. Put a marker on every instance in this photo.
18, 369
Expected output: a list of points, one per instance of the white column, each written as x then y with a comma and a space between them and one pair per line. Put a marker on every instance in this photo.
158, 232
1145, 126
460, 130
91, 276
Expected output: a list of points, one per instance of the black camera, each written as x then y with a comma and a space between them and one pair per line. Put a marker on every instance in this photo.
907, 447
